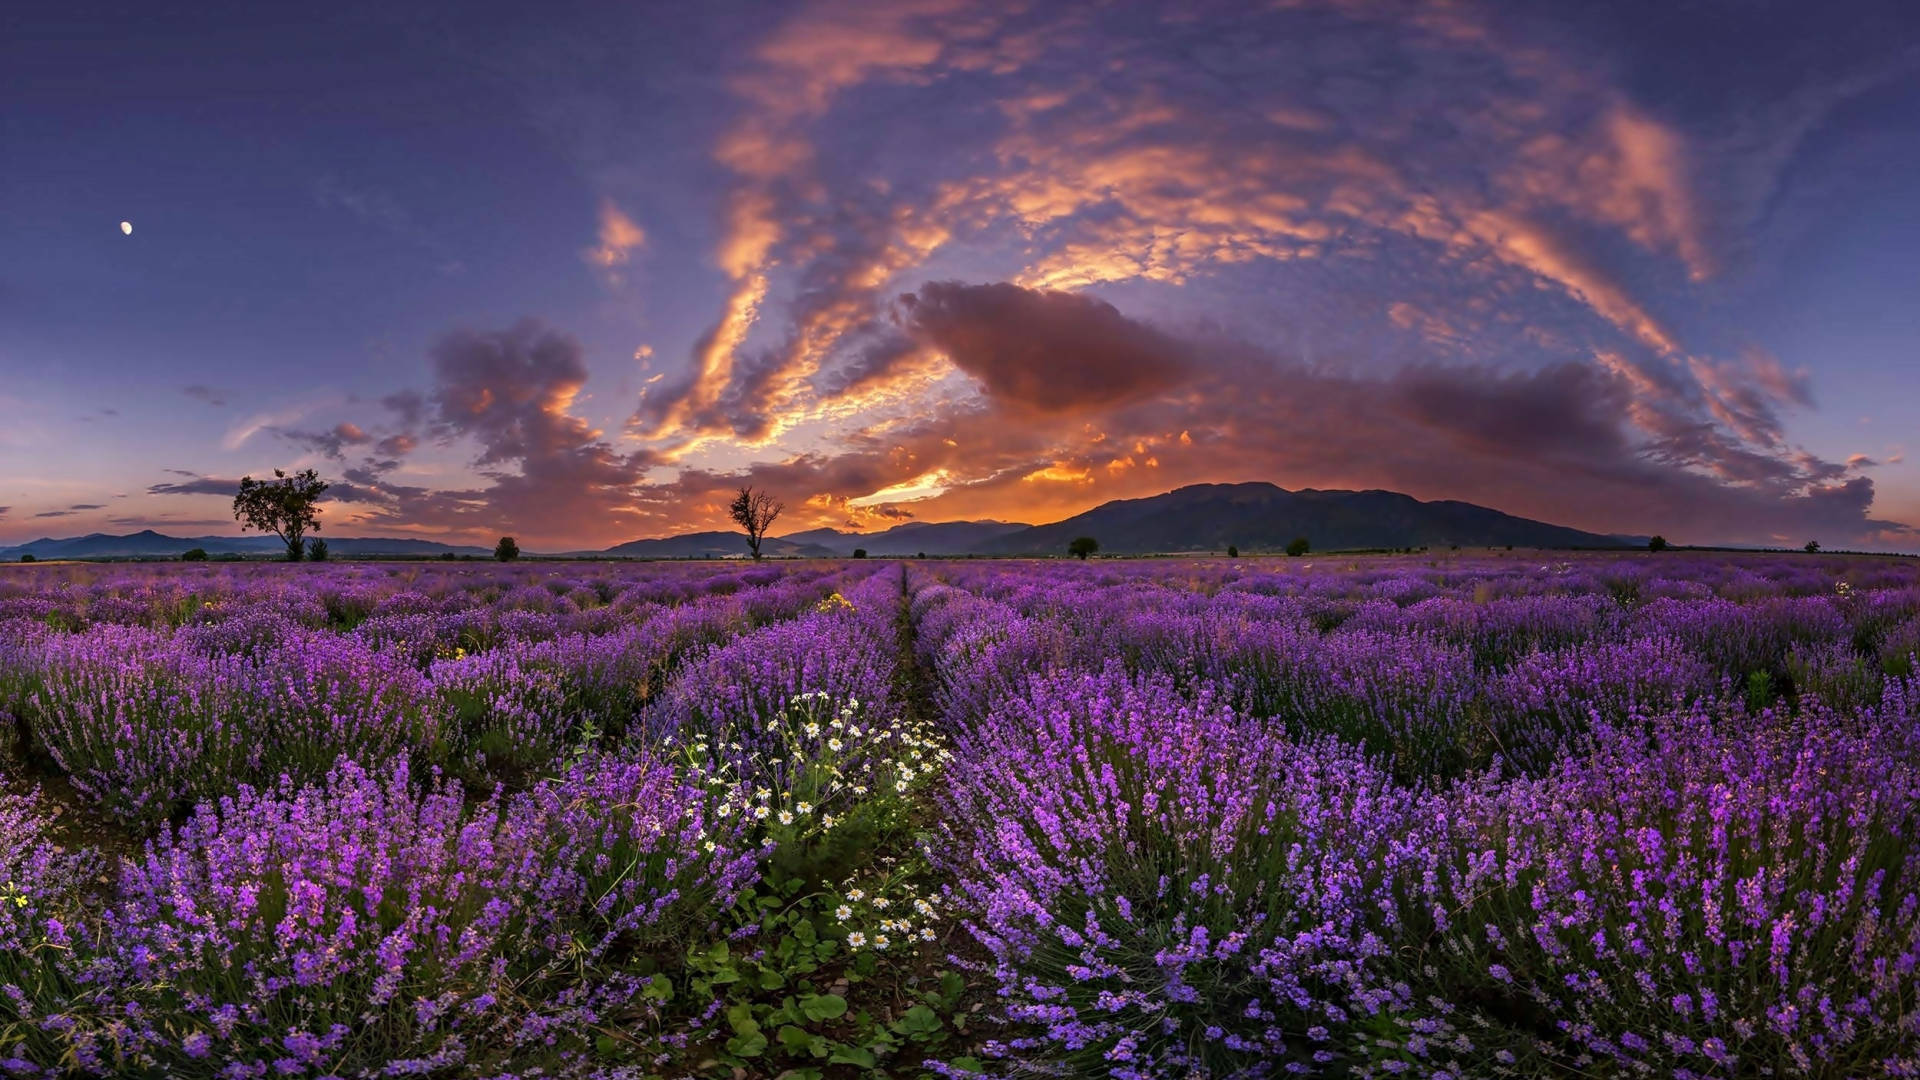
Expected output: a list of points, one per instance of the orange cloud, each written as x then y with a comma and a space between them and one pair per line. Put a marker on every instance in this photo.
619, 238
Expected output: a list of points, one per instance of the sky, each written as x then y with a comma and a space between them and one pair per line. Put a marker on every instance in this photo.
576, 272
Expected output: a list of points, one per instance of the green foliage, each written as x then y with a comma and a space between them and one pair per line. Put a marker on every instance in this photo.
835, 963
194, 555
800, 994
317, 550
1813, 547
1083, 546
1298, 546
1658, 543
285, 506
1233, 552
28, 557
507, 549
859, 553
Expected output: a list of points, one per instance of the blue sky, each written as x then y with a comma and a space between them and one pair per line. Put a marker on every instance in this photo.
574, 272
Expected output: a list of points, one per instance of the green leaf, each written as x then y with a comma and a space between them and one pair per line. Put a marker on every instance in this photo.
747, 1045
796, 1040
772, 980
968, 1064
824, 1006
919, 1020
852, 1055
740, 1016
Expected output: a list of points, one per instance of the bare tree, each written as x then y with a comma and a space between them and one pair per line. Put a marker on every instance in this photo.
755, 511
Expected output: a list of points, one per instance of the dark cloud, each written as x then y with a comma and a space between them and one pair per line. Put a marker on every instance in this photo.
409, 405
76, 508
1567, 411
1048, 351
357, 493
332, 442
396, 446
201, 392
196, 485
170, 522
510, 394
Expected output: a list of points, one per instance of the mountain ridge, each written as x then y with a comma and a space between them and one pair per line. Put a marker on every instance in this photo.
1255, 516
1259, 516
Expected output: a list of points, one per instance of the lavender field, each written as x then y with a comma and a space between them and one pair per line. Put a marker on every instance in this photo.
1460, 816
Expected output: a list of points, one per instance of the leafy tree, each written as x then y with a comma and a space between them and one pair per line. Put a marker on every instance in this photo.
507, 550
448, 556
194, 555
1658, 543
283, 506
859, 553
755, 512
1233, 551
1083, 546
28, 557
1298, 546
317, 550
1813, 547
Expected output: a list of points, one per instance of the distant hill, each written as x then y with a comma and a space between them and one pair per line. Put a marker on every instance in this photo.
148, 544
1265, 517
712, 545
912, 538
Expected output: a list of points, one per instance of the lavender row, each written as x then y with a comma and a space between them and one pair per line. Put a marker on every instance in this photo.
149, 721
1442, 686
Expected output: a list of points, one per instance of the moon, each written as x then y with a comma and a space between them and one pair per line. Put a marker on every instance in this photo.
126, 228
